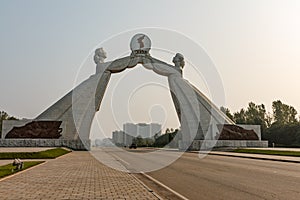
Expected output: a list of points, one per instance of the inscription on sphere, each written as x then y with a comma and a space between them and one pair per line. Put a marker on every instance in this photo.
140, 43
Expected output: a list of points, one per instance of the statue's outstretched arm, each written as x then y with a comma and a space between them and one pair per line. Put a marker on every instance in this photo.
121, 64
159, 66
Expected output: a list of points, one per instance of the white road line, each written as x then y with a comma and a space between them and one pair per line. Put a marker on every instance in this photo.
166, 187
118, 158
145, 186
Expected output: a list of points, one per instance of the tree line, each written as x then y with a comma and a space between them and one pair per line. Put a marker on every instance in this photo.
281, 127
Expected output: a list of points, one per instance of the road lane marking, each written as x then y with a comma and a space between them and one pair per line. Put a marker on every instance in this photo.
163, 185
120, 159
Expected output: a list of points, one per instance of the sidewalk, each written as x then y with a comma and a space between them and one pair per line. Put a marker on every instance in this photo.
76, 175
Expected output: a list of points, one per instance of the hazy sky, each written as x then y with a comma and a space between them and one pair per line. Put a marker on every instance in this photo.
254, 44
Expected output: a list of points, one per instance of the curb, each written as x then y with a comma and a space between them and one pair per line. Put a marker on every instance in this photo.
164, 186
147, 188
256, 158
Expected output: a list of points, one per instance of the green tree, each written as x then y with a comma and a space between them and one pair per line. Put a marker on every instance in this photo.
138, 141
284, 114
254, 114
282, 127
283, 134
269, 119
240, 117
167, 139
143, 142
227, 112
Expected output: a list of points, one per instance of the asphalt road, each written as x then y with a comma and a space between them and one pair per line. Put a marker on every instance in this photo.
219, 177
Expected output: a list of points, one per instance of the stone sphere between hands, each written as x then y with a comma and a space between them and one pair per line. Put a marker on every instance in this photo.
140, 42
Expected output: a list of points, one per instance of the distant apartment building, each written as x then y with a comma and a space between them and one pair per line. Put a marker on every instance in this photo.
142, 129
155, 129
131, 131
118, 137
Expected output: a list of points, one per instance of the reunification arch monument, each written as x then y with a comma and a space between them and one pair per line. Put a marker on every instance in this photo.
68, 121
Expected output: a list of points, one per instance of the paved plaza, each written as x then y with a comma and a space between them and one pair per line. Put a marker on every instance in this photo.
76, 175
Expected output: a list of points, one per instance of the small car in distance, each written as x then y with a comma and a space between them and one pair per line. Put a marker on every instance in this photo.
133, 146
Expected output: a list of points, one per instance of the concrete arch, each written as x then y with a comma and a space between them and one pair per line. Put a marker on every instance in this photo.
77, 109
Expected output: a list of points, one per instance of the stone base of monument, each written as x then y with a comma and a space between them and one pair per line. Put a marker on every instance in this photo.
210, 144
72, 144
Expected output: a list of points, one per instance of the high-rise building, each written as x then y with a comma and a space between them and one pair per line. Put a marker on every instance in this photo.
155, 129
142, 129
118, 137
131, 131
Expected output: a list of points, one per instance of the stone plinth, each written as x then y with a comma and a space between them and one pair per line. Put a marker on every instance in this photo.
209, 144
72, 144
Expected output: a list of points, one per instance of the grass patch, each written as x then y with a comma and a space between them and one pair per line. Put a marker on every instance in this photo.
47, 154
268, 152
9, 169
